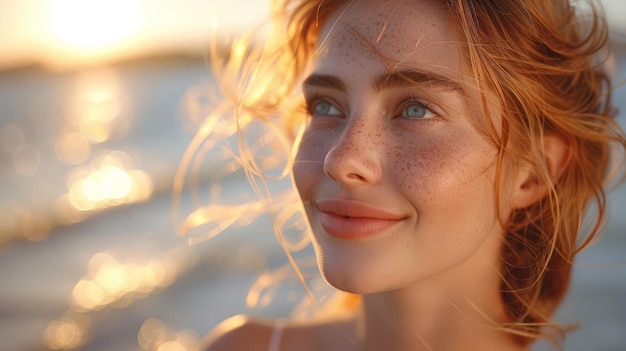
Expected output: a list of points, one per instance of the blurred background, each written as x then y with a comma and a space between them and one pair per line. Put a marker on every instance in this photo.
98, 103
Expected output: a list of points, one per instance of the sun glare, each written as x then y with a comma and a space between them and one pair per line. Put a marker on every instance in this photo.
95, 24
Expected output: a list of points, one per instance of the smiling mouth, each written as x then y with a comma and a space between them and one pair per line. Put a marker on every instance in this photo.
349, 219
355, 209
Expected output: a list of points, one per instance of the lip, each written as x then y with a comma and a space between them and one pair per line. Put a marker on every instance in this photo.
350, 219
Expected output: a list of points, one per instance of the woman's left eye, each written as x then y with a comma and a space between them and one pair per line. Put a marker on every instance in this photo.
417, 111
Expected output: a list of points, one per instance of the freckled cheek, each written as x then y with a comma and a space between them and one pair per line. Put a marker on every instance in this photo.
433, 165
416, 165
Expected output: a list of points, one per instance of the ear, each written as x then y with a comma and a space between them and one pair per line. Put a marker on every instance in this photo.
529, 188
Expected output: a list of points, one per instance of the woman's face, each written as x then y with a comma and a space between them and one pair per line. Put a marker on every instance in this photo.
397, 182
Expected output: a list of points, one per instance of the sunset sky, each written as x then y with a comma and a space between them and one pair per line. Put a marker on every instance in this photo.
55, 31
58, 32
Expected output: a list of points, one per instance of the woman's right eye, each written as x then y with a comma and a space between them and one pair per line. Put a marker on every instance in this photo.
324, 108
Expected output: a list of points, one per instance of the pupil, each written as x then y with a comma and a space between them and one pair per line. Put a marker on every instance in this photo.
322, 108
415, 111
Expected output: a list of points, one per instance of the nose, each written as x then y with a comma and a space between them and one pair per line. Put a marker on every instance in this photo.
353, 160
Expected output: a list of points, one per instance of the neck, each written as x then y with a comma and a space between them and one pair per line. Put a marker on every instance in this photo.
458, 310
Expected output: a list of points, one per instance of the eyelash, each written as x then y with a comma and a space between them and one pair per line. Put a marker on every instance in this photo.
312, 99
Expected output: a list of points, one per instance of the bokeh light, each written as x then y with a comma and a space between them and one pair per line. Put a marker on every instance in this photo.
73, 148
108, 181
67, 333
111, 282
155, 335
98, 109
24, 159
18, 222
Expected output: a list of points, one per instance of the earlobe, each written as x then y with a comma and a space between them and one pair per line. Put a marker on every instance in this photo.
529, 187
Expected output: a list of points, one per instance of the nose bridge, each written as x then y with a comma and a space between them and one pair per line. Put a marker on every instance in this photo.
354, 157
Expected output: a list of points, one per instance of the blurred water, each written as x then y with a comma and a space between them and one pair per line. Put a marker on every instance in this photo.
45, 260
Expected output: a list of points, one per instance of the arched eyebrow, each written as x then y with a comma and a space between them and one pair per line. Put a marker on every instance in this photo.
324, 81
388, 80
408, 77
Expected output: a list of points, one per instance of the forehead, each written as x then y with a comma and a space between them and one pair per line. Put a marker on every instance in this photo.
394, 33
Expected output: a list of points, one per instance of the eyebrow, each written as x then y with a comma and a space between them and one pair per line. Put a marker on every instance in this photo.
408, 77
325, 81
388, 80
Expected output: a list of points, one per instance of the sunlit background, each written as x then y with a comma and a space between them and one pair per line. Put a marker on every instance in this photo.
63, 33
98, 102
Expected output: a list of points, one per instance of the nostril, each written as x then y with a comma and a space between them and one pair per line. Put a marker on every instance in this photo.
357, 177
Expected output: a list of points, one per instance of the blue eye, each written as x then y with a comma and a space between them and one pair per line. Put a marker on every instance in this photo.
325, 108
417, 111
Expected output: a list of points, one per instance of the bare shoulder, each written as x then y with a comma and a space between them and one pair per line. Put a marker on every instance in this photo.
244, 333
238, 333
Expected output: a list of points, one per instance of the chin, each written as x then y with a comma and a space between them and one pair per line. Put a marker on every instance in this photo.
354, 278
349, 283
361, 267
359, 285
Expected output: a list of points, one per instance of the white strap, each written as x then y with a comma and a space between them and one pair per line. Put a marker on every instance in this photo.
277, 335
